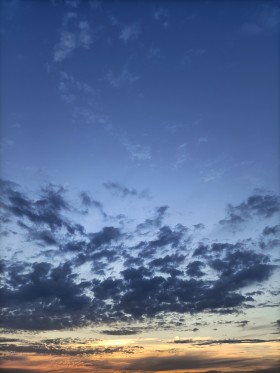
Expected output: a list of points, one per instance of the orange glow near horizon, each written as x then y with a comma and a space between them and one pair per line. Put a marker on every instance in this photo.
241, 357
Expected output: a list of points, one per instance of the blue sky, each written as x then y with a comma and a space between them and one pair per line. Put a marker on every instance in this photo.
155, 127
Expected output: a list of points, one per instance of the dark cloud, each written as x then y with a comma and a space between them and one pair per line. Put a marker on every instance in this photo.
123, 191
129, 279
155, 222
47, 349
45, 298
190, 361
45, 211
271, 230
223, 341
88, 202
199, 226
165, 237
131, 331
201, 250
194, 269
167, 263
262, 206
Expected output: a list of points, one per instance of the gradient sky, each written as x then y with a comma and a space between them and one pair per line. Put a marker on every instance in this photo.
140, 186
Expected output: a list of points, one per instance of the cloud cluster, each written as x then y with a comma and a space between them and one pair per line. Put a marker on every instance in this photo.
141, 274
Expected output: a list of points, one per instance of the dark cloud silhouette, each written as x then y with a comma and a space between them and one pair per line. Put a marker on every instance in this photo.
47, 210
131, 331
223, 341
46, 349
190, 361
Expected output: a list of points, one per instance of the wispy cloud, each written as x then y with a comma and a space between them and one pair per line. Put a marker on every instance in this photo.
266, 19
130, 32
123, 191
161, 15
137, 152
124, 77
72, 3
69, 87
181, 155
81, 37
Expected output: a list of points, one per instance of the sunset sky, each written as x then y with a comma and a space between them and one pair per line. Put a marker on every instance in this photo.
140, 208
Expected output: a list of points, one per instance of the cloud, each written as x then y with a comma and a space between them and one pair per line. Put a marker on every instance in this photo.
123, 191
161, 15
46, 349
147, 271
265, 20
223, 341
131, 331
69, 88
156, 221
88, 202
271, 230
261, 206
181, 155
47, 211
130, 32
69, 41
137, 152
194, 269
190, 361
124, 77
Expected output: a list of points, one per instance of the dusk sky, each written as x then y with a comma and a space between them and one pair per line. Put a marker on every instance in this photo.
140, 208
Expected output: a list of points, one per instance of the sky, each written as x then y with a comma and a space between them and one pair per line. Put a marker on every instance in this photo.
140, 207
